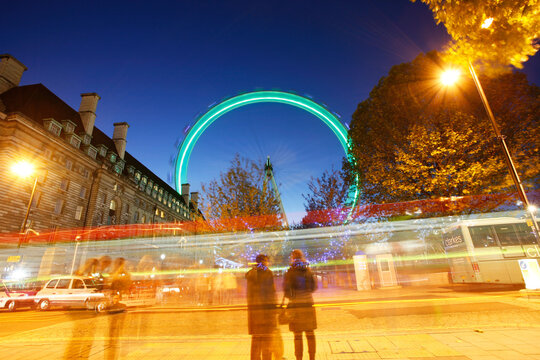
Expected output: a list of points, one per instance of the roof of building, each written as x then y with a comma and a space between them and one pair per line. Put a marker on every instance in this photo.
37, 103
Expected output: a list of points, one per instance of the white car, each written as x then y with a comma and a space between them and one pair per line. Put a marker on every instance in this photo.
71, 291
13, 299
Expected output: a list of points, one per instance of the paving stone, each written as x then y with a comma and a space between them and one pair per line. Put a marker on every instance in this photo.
380, 343
340, 347
361, 346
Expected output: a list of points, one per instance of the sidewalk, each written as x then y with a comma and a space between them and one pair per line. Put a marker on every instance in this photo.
493, 344
148, 331
340, 296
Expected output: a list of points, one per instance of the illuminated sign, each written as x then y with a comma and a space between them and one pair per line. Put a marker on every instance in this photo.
533, 251
531, 273
14, 258
453, 241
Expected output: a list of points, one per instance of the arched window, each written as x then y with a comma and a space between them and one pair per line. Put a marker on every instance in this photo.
111, 219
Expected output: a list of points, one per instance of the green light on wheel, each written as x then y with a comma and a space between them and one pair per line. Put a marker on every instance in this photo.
256, 97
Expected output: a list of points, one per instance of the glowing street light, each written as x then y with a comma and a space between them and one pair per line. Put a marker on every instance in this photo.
77, 240
24, 169
450, 77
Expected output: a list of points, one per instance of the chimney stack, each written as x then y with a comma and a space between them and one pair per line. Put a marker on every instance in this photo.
195, 201
11, 71
87, 111
185, 194
119, 138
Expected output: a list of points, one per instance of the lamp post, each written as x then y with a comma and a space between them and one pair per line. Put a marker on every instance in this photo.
449, 77
25, 169
77, 240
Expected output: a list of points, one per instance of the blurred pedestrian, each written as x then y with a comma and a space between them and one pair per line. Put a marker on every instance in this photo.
230, 286
217, 285
120, 278
261, 301
203, 288
298, 286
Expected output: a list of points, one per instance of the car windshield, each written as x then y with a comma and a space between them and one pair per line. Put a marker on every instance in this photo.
90, 283
19, 286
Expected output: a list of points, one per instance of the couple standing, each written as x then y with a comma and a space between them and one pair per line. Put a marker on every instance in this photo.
298, 286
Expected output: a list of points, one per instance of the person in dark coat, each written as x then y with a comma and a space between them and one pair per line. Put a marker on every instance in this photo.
298, 285
262, 302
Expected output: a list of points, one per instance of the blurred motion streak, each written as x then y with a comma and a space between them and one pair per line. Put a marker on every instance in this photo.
473, 239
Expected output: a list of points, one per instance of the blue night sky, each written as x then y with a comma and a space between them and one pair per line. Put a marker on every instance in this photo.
158, 64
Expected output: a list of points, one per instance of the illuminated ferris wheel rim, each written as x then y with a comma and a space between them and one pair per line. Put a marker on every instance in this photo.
255, 97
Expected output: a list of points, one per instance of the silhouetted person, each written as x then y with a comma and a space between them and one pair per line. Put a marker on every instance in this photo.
120, 278
298, 285
230, 286
82, 335
116, 326
261, 301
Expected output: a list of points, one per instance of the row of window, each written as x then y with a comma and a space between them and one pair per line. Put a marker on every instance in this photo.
69, 165
59, 209
64, 186
144, 183
55, 128
152, 189
501, 235
124, 215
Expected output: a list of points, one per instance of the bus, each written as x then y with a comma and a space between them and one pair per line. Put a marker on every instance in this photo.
488, 250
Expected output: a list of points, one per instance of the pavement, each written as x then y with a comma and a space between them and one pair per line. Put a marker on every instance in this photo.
420, 324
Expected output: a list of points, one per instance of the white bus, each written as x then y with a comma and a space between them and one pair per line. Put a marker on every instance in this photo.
487, 250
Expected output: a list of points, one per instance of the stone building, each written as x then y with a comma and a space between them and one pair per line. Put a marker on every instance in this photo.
84, 177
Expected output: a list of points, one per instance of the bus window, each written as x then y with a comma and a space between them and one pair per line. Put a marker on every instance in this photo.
507, 235
525, 234
482, 236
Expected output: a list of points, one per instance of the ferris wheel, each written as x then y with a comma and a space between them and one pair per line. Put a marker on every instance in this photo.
255, 97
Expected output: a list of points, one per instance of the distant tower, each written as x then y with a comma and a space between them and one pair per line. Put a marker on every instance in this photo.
269, 175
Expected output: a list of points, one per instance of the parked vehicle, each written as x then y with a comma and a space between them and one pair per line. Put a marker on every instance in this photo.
488, 250
71, 291
15, 296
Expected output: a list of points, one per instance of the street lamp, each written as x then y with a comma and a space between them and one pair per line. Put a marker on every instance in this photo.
25, 169
77, 240
450, 77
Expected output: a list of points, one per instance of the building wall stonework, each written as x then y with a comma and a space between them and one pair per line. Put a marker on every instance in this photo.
82, 181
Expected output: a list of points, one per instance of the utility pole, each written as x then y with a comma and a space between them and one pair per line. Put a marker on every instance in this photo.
507, 157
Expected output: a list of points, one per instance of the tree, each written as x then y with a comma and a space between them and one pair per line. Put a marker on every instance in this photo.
326, 203
241, 192
409, 102
516, 105
491, 33
448, 156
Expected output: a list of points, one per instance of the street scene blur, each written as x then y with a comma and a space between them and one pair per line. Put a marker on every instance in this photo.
404, 228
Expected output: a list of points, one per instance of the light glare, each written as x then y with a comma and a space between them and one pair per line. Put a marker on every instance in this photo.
487, 23
23, 169
450, 77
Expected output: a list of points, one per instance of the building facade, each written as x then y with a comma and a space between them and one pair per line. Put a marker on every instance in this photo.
84, 177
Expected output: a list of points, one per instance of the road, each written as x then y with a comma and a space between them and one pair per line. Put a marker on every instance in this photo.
150, 331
